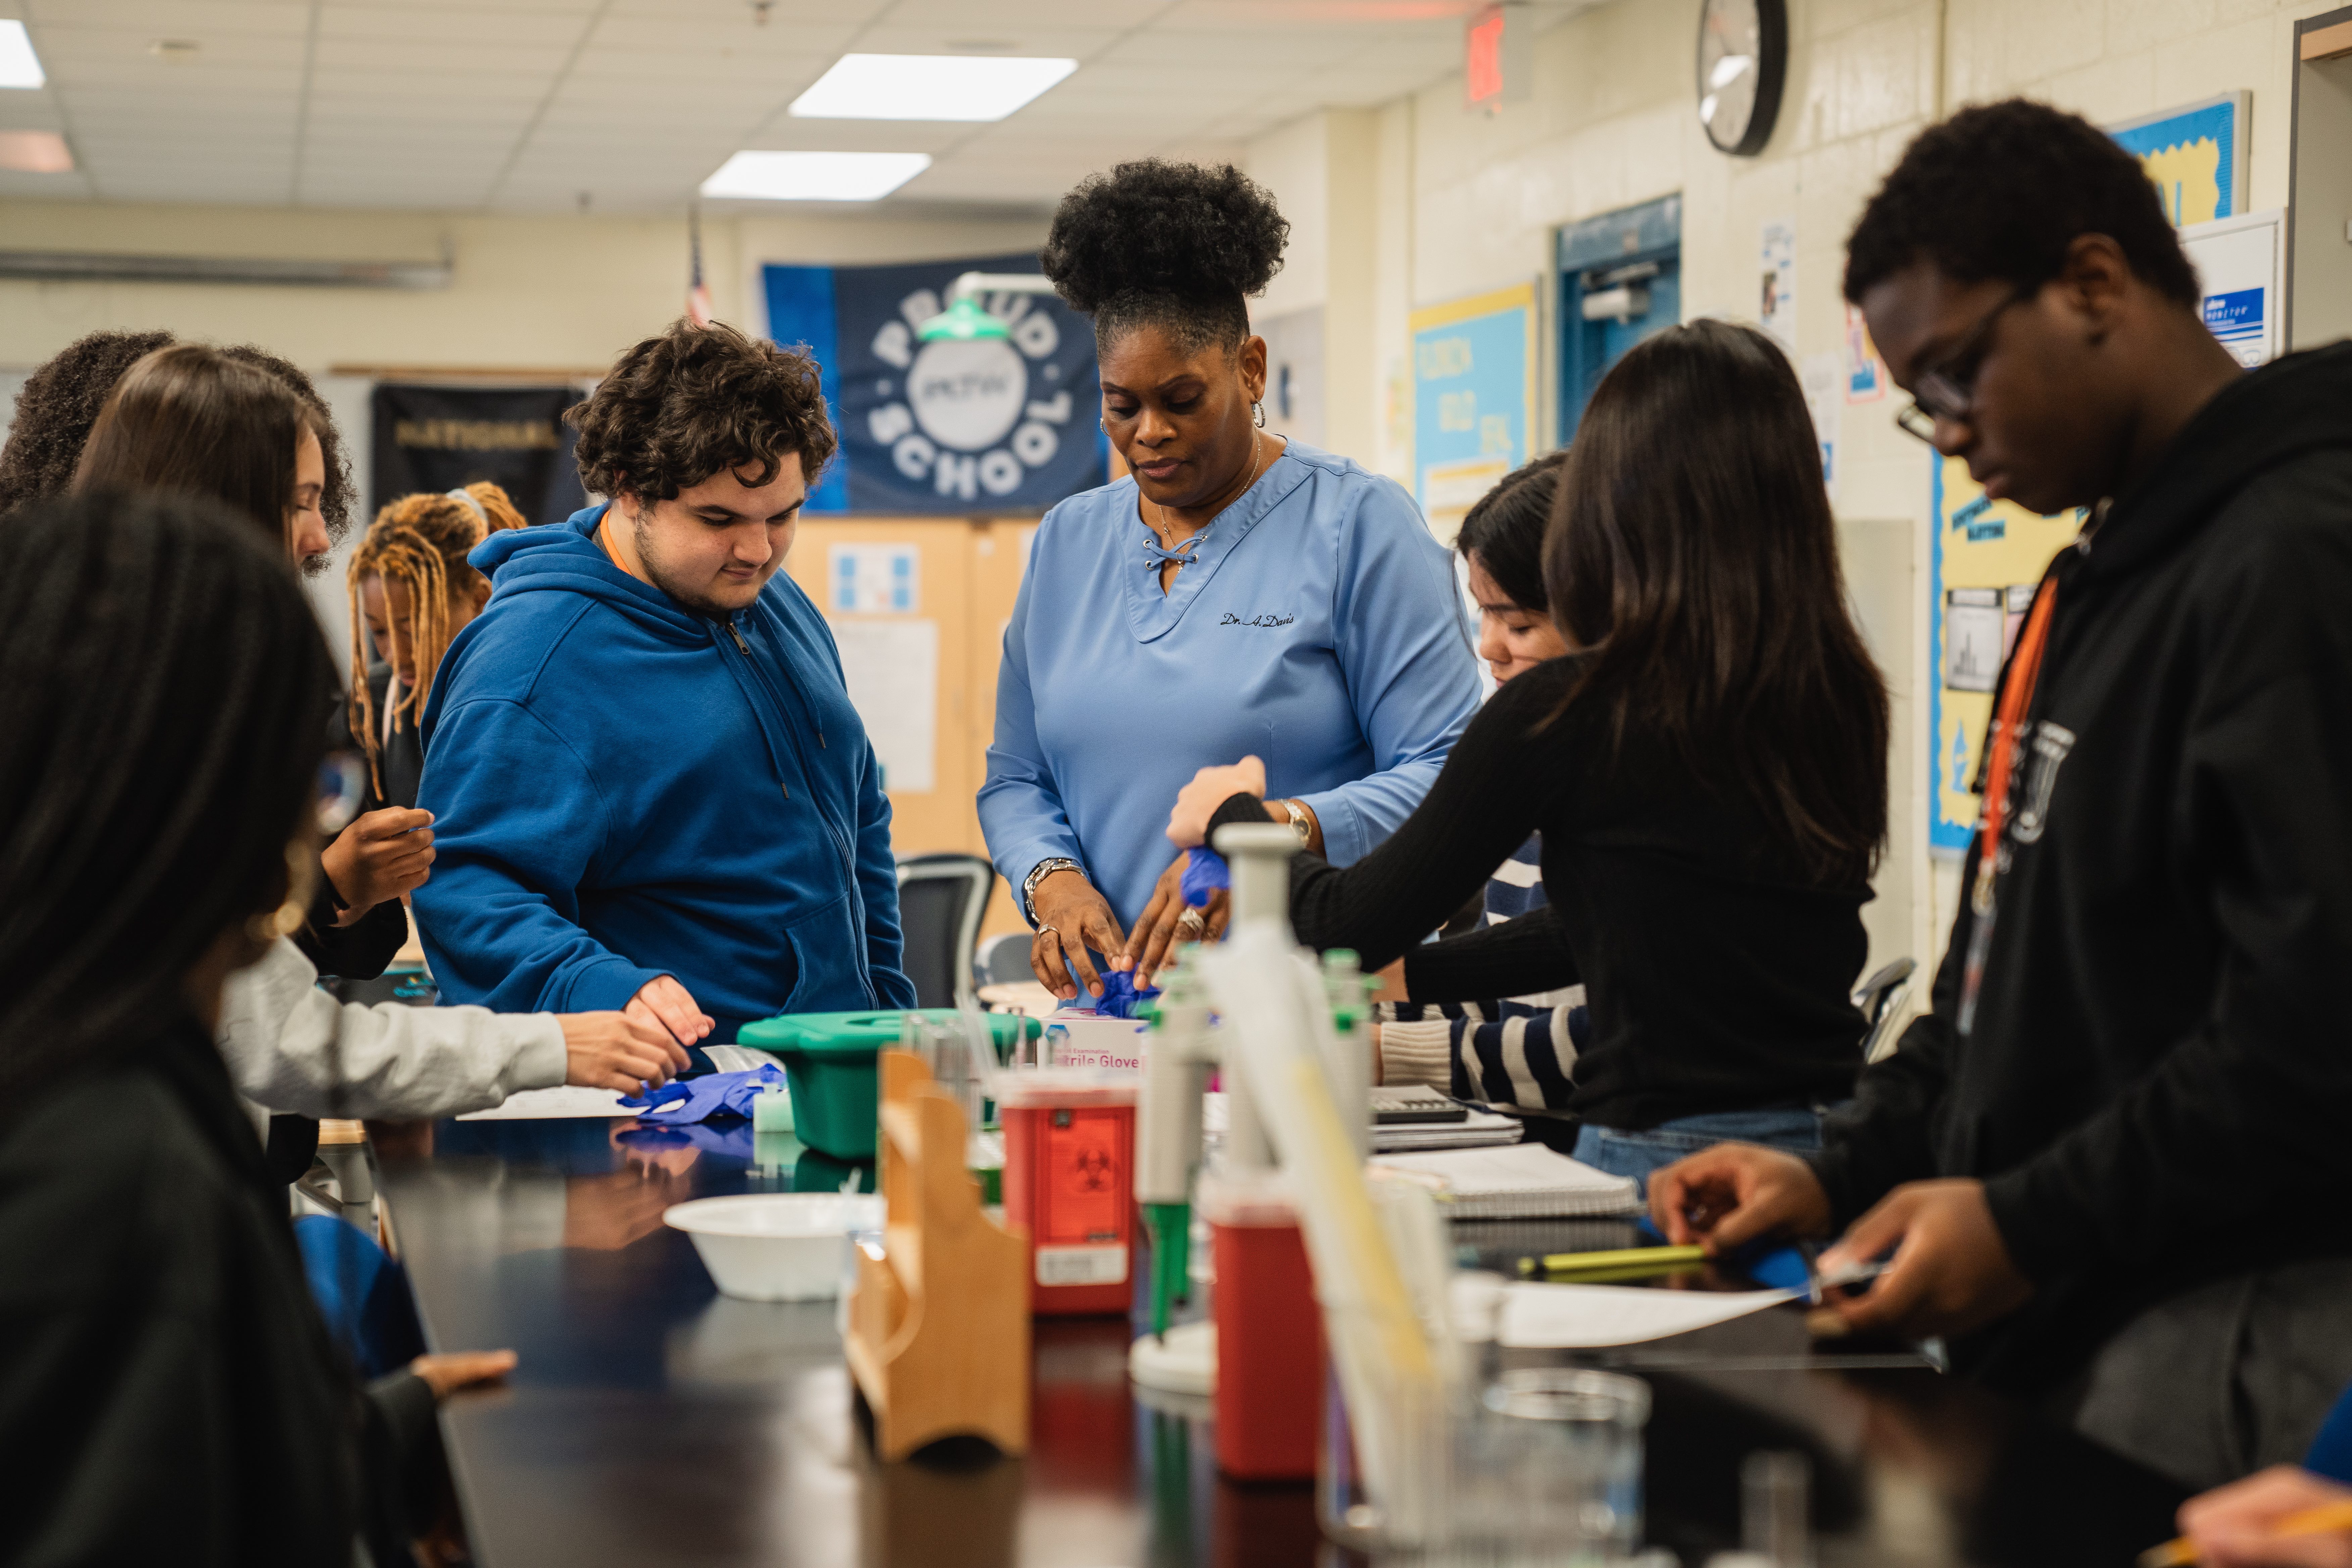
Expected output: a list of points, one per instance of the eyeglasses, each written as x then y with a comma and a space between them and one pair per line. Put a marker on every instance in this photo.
1948, 390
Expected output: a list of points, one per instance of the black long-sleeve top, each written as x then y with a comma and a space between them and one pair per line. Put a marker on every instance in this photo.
1719, 976
169, 1393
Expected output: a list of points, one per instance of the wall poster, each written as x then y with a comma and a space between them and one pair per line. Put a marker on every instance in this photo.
2195, 156
1474, 397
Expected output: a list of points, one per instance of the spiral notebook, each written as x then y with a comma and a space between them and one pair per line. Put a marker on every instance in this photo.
1524, 1181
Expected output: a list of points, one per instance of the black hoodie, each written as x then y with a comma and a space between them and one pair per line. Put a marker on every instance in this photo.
2156, 1091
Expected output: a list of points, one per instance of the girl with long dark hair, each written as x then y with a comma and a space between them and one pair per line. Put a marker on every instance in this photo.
1707, 766
170, 1391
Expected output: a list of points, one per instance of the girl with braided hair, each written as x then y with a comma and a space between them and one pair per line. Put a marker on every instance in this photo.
412, 591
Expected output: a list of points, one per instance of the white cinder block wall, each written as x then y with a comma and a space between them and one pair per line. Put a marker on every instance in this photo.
1464, 202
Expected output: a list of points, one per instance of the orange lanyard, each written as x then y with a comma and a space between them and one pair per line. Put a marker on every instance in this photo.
2016, 696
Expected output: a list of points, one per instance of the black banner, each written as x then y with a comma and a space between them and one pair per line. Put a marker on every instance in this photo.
440, 438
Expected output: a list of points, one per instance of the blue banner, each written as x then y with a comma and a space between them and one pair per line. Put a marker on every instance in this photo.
948, 427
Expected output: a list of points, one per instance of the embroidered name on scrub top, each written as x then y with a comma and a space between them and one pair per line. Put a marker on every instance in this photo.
1229, 619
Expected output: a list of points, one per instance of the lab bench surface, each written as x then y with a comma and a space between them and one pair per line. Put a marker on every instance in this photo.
654, 1421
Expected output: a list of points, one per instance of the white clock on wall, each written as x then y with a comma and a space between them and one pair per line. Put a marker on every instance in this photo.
1743, 56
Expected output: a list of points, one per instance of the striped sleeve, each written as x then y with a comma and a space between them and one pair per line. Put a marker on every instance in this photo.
1526, 1059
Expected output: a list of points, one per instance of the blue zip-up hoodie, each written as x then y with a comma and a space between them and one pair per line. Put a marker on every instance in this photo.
623, 789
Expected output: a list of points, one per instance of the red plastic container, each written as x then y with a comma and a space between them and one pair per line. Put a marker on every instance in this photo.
1069, 1183
1270, 1341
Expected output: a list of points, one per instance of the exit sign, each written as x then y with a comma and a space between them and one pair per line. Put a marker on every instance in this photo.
1495, 58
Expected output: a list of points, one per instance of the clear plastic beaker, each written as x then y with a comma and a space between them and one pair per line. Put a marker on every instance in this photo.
1549, 1468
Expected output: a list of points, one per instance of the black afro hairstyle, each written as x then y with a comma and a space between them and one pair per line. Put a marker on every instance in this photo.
1179, 245
2000, 191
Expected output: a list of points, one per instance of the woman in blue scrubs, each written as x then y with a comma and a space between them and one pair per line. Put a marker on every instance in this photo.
1235, 592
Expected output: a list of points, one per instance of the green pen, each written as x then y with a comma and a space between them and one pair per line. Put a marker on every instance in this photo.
1623, 1263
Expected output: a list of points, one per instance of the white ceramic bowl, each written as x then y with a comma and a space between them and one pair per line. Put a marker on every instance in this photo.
775, 1247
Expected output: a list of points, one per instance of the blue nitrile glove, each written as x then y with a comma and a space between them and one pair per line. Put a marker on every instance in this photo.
716, 1094
675, 1088
732, 1140
1204, 873
1120, 998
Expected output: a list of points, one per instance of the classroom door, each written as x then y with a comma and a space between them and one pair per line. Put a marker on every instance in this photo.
1620, 281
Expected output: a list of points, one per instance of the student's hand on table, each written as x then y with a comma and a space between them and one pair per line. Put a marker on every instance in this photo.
380, 856
1072, 917
1727, 1196
1162, 924
1187, 824
1388, 984
2234, 1526
1950, 1271
445, 1374
663, 1004
618, 1051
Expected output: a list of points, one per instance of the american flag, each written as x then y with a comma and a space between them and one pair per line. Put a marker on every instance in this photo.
698, 292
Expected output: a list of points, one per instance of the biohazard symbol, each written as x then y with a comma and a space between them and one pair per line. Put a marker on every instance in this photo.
1093, 1169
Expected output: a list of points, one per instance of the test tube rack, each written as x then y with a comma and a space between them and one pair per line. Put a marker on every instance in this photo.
939, 1328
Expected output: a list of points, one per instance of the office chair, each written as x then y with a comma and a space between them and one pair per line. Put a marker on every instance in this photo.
1004, 960
940, 901
1881, 999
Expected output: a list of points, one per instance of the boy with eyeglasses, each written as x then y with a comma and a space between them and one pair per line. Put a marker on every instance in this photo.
2110, 1162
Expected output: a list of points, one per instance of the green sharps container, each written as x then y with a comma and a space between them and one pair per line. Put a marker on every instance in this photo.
829, 1059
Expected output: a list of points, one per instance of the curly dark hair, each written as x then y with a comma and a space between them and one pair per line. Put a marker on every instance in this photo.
1177, 246
60, 402
681, 407
2000, 191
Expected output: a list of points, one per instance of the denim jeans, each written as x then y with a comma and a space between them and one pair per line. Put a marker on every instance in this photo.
1796, 1128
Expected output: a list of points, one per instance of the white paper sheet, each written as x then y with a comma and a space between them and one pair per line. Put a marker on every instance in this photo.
1588, 1317
892, 669
542, 1104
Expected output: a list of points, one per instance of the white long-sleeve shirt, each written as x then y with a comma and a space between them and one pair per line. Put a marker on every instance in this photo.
289, 1044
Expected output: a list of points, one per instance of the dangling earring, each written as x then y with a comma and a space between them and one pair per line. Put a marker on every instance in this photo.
1257, 412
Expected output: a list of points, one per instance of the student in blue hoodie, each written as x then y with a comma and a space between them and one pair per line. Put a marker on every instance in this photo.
648, 783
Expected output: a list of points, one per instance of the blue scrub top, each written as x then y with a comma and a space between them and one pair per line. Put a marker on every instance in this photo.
1318, 627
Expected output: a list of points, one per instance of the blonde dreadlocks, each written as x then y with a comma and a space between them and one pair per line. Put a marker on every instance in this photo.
420, 541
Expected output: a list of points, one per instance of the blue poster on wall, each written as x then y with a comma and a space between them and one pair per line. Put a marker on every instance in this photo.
1473, 392
948, 427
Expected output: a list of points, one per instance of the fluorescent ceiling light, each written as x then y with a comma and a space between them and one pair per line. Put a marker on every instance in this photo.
815, 176
928, 87
35, 152
20, 66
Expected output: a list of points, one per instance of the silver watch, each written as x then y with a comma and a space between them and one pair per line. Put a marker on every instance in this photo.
1038, 873
1300, 823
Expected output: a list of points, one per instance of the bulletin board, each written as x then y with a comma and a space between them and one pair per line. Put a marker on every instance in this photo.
1988, 555
2195, 156
1474, 399
918, 607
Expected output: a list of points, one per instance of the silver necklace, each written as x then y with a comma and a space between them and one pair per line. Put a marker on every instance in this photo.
1166, 534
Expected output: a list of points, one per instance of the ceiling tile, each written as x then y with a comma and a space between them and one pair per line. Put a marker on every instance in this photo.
202, 20
422, 57
451, 29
